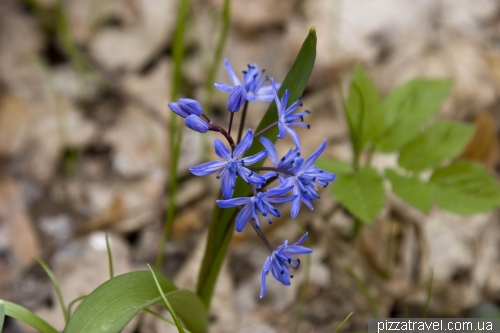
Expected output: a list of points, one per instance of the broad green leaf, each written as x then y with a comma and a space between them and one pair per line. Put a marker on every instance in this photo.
362, 193
29, 318
364, 109
438, 142
2, 314
465, 188
114, 303
222, 225
408, 107
334, 165
412, 190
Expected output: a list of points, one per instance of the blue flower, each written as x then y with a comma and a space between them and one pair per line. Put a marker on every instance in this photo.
281, 263
286, 117
232, 165
196, 123
262, 202
304, 174
285, 163
252, 89
186, 107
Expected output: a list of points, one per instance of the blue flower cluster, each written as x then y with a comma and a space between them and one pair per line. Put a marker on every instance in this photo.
294, 173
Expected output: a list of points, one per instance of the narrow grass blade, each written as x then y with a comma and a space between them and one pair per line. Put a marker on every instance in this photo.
175, 133
110, 258
364, 289
2, 314
222, 226
56, 287
29, 318
165, 319
169, 307
429, 295
343, 323
73, 302
114, 303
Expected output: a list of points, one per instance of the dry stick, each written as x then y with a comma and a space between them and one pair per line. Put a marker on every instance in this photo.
242, 122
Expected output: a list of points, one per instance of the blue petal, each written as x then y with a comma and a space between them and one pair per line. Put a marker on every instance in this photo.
296, 249
265, 271
237, 97
255, 158
264, 97
176, 107
279, 190
284, 101
295, 137
227, 185
230, 203
276, 98
221, 150
301, 240
310, 161
250, 177
223, 86
277, 269
191, 106
282, 129
281, 200
271, 151
244, 145
243, 216
232, 76
294, 211
196, 123
207, 168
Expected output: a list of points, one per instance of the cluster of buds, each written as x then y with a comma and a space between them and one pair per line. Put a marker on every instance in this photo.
295, 174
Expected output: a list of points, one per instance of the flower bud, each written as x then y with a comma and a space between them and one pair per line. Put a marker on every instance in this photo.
196, 123
191, 106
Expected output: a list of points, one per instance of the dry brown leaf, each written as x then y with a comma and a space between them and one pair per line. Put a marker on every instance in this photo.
484, 145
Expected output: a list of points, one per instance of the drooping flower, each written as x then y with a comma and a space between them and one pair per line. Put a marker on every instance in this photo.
262, 202
186, 107
232, 164
280, 263
286, 117
251, 89
196, 123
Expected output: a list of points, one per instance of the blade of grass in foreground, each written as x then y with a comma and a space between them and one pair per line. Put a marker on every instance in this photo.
222, 225
56, 287
169, 307
343, 323
29, 318
110, 258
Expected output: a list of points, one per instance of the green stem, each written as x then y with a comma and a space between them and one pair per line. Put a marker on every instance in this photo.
175, 133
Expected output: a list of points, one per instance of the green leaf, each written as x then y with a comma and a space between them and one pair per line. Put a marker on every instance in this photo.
364, 109
29, 318
412, 190
438, 142
408, 107
362, 193
2, 314
334, 165
465, 188
167, 304
114, 303
222, 225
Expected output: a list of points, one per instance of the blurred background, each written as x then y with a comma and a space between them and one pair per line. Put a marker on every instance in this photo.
84, 88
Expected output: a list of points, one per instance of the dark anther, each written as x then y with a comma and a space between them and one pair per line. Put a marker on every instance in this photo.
308, 126
298, 263
251, 173
301, 118
324, 186
257, 227
218, 177
290, 261
244, 72
283, 158
255, 76
320, 171
291, 276
307, 111
282, 272
314, 179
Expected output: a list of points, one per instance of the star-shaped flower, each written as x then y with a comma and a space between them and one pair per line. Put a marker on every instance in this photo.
251, 89
286, 117
233, 164
262, 202
280, 263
